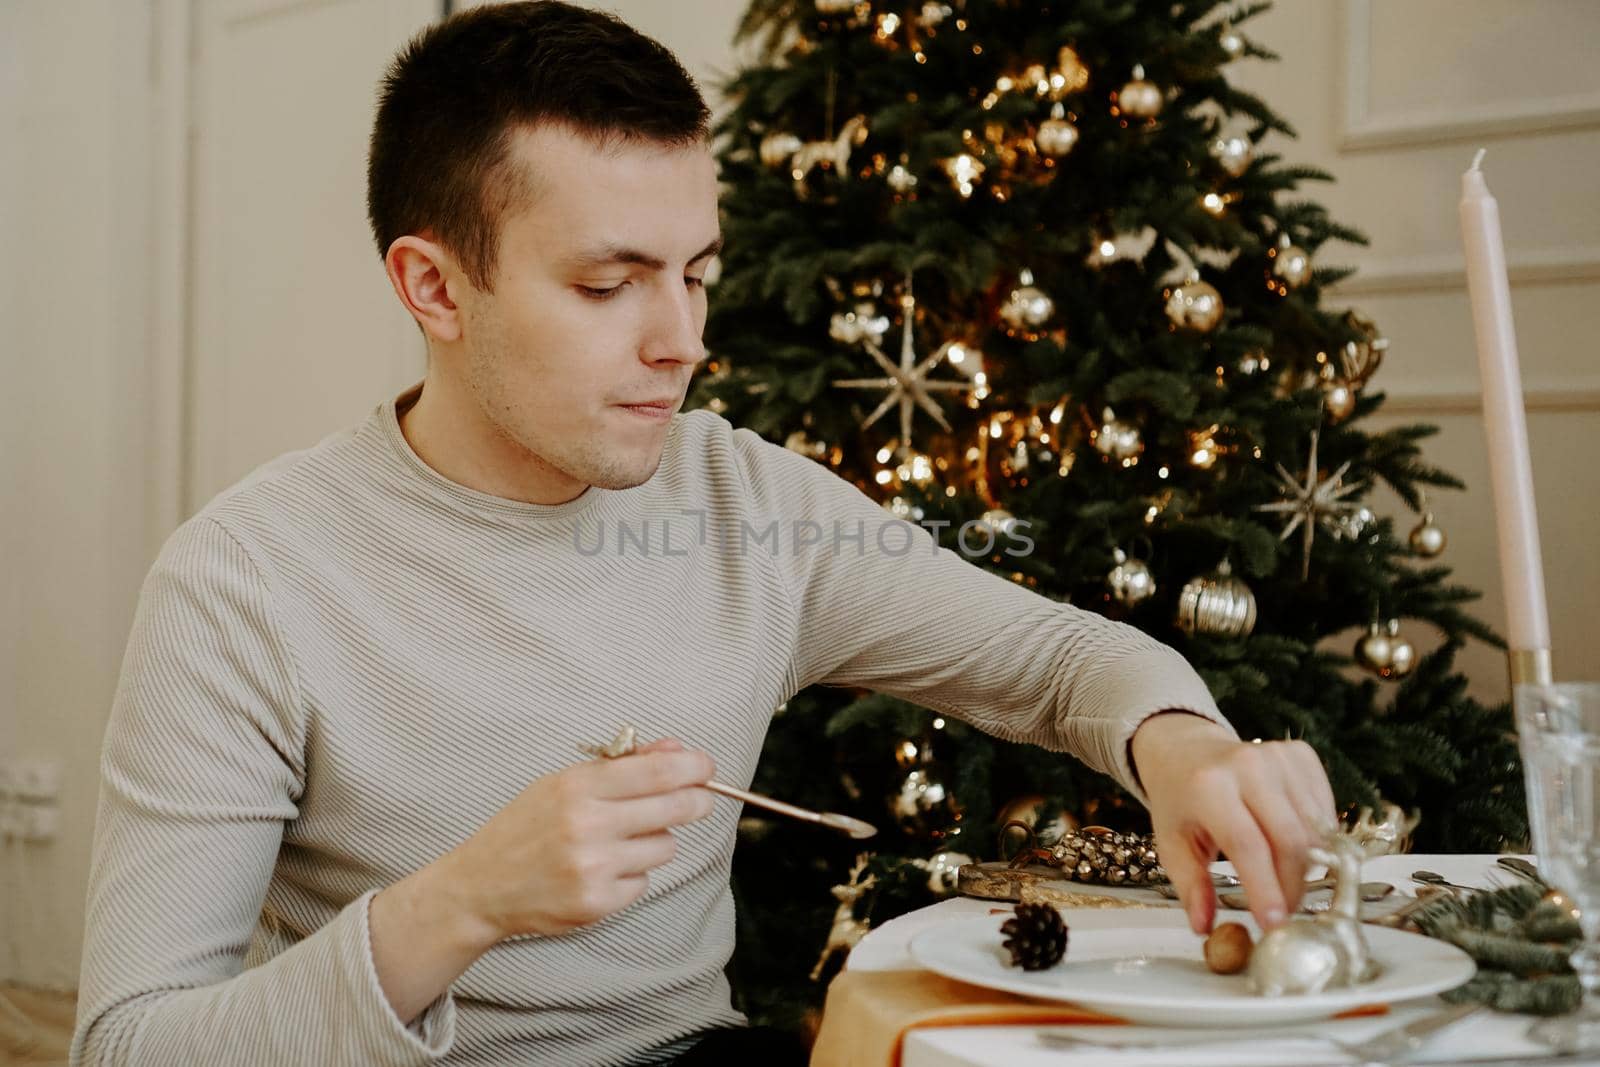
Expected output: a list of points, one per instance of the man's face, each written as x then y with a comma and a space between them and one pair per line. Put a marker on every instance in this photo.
598, 302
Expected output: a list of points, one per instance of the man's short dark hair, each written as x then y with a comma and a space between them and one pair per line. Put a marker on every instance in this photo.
440, 154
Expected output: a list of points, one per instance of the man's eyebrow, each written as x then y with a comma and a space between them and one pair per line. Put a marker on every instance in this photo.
607, 255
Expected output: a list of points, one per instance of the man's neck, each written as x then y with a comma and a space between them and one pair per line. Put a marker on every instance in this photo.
448, 432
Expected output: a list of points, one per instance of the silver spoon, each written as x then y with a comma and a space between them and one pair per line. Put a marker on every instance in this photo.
1371, 892
626, 741
1434, 878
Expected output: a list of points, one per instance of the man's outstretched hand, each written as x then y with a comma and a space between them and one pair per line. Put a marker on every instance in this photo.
1262, 804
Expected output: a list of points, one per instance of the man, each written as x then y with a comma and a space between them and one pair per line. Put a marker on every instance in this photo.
343, 818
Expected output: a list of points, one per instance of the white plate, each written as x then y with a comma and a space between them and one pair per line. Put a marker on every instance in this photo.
1146, 966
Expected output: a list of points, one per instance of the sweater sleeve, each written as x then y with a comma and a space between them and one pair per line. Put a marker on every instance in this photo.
201, 767
882, 605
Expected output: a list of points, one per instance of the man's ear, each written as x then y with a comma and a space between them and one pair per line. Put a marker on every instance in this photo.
423, 275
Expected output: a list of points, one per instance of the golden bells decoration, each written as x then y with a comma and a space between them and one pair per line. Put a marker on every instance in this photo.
1101, 856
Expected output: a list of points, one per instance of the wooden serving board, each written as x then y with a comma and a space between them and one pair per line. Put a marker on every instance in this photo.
1040, 884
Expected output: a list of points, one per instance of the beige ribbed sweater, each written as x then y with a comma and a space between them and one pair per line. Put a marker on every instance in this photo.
345, 664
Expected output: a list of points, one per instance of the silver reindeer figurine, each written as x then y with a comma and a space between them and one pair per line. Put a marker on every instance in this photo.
1324, 952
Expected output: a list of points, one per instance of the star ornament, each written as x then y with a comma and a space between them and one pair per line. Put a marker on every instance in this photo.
907, 383
1311, 502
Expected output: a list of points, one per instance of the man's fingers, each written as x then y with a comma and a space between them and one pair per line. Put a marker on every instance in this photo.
1187, 861
640, 855
1244, 843
648, 773
1288, 838
639, 816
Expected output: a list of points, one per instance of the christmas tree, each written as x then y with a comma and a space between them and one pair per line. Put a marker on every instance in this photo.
1005, 262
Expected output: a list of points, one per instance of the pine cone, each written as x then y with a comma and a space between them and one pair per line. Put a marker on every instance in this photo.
1036, 938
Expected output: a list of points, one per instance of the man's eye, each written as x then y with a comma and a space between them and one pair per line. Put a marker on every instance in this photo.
602, 294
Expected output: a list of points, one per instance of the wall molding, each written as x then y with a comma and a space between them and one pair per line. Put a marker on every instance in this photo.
1542, 401
1447, 272
1363, 130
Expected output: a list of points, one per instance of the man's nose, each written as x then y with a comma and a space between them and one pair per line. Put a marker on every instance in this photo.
675, 329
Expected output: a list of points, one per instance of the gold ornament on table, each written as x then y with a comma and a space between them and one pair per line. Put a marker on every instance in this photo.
1427, 537
1117, 440
1027, 307
1327, 951
908, 384
1139, 98
1056, 136
1217, 605
1313, 502
1291, 264
1385, 653
1021, 824
1130, 580
1099, 856
1194, 305
847, 930
831, 155
1386, 832
1233, 152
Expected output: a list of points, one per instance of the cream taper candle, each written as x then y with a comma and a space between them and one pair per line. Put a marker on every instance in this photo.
1510, 472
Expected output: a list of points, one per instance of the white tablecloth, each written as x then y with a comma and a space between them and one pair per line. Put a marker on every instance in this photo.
1489, 1034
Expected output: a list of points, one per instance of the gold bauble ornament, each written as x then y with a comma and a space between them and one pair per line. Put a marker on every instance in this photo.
778, 148
1000, 521
1139, 98
1361, 358
851, 327
1118, 440
1070, 74
1195, 305
1130, 580
963, 170
1340, 400
1233, 152
802, 442
1291, 264
922, 805
1427, 538
1027, 307
900, 179
1230, 40
1217, 605
1056, 137
1385, 653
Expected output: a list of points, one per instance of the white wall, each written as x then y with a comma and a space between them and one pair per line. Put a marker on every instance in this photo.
92, 191
77, 535
1393, 98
